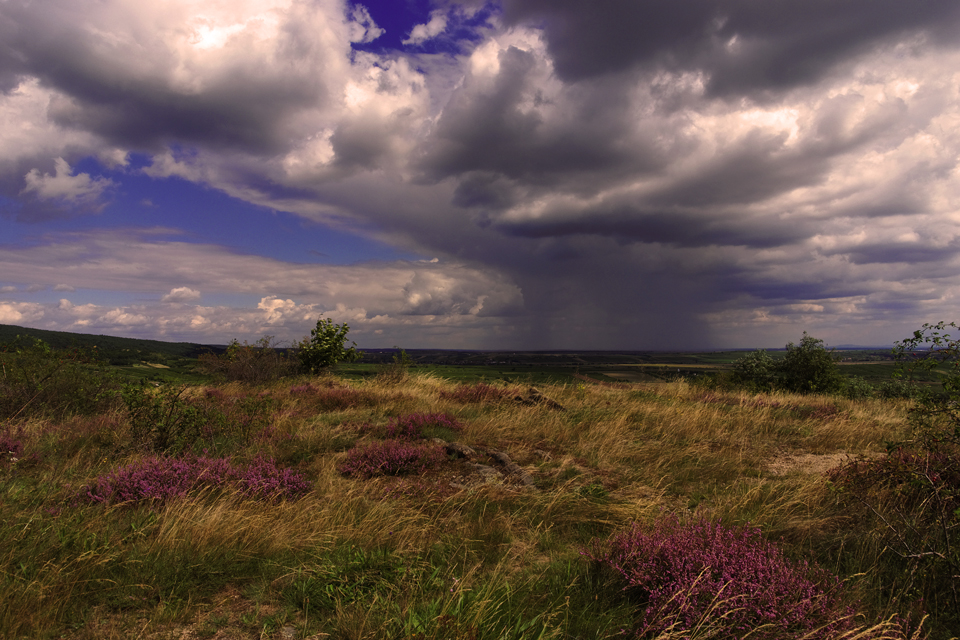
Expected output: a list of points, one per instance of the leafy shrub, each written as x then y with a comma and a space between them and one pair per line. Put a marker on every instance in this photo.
856, 388
259, 362
756, 371
40, 381
325, 346
158, 479
476, 393
685, 575
911, 492
161, 420
899, 389
390, 458
806, 368
911, 495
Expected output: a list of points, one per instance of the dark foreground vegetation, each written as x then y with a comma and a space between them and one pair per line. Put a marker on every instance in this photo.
272, 496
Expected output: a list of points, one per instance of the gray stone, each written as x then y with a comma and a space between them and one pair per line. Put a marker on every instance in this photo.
459, 450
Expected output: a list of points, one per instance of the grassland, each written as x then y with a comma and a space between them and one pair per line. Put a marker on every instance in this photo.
442, 554
94, 547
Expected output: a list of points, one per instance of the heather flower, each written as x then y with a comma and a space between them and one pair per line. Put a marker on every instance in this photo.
682, 573
332, 398
302, 389
158, 479
414, 426
390, 457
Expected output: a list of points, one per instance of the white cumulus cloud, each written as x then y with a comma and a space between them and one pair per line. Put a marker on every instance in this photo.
424, 32
181, 294
80, 191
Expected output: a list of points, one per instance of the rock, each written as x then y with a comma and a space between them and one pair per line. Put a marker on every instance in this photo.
539, 398
459, 450
512, 468
488, 473
535, 397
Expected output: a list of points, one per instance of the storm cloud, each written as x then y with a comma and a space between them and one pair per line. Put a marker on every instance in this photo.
617, 175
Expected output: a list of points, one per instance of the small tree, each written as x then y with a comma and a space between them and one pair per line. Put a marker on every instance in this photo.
810, 368
325, 346
756, 371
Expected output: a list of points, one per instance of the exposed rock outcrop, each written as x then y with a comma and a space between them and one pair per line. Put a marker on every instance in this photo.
534, 397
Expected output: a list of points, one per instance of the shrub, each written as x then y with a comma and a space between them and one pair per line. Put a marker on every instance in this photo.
325, 346
911, 494
756, 371
476, 393
38, 380
684, 575
806, 368
158, 479
259, 362
899, 388
390, 458
809, 368
856, 388
161, 420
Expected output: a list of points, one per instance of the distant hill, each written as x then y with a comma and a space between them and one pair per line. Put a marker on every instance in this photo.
118, 351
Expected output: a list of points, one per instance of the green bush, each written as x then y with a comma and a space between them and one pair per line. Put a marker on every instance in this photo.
810, 368
259, 362
807, 367
161, 419
856, 388
325, 346
756, 371
37, 380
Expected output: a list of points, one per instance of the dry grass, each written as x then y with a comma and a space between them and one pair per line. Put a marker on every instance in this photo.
489, 559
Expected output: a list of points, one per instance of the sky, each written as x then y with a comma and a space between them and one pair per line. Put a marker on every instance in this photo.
520, 174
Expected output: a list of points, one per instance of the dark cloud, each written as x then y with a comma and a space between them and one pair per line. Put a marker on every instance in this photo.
680, 228
127, 91
905, 252
765, 289
485, 190
508, 129
779, 43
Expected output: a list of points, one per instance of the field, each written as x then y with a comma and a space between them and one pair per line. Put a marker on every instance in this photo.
494, 525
